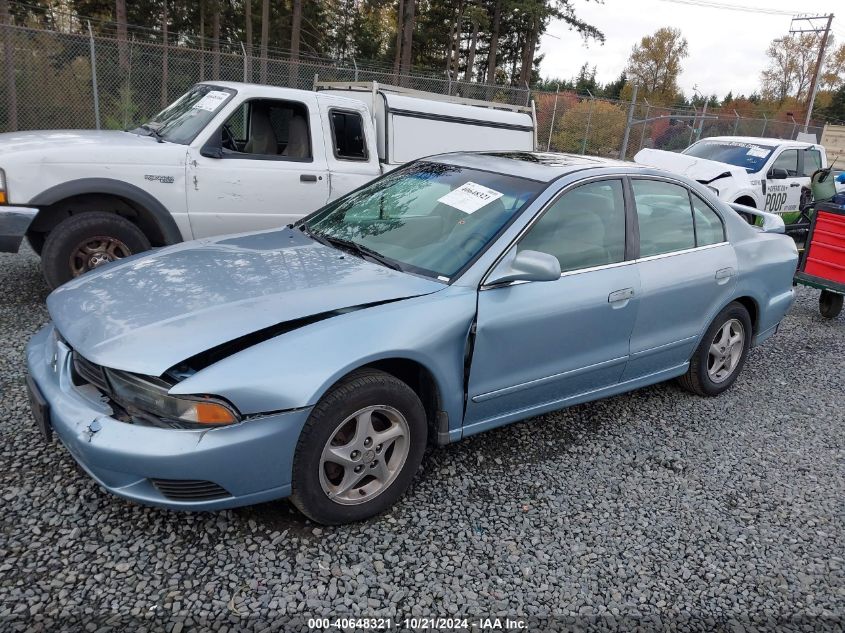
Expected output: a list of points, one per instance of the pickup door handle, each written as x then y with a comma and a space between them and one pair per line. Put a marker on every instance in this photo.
620, 295
795, 184
308, 178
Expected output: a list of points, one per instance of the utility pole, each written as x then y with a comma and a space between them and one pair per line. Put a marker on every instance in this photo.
814, 84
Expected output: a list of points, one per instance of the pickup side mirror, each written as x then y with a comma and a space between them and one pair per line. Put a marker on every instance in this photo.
525, 265
777, 173
211, 152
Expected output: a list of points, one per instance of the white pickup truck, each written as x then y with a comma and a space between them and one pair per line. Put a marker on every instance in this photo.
225, 157
764, 173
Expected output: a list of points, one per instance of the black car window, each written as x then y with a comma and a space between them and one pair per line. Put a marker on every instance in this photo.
788, 160
268, 127
348, 135
812, 161
585, 227
708, 225
664, 216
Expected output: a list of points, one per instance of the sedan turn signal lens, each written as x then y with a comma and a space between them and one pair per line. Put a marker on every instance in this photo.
209, 413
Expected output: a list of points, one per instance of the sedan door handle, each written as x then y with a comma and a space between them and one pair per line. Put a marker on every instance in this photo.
724, 273
620, 295
308, 178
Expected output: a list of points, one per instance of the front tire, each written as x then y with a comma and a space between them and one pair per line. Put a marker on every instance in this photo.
721, 355
359, 449
85, 241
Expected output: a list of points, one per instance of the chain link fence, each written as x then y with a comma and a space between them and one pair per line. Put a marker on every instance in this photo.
72, 80
569, 122
77, 80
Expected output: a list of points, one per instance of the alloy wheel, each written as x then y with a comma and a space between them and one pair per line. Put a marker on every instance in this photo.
364, 455
726, 351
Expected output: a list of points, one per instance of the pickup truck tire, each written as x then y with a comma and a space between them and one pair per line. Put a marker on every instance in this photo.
721, 355
82, 242
830, 304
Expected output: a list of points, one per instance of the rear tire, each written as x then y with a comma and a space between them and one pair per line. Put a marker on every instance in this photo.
359, 449
721, 355
830, 304
83, 242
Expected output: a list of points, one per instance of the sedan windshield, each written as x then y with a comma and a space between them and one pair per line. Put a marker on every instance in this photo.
428, 217
183, 119
750, 156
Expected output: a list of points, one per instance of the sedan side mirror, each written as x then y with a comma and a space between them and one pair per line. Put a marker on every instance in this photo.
525, 265
777, 173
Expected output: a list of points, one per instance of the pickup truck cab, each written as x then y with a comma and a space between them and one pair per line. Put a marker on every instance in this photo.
765, 173
225, 157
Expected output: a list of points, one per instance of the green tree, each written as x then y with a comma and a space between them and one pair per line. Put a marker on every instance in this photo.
655, 64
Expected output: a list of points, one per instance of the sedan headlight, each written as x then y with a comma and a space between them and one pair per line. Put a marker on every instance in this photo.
150, 397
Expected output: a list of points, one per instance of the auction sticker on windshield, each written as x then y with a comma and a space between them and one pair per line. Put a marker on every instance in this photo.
211, 101
470, 197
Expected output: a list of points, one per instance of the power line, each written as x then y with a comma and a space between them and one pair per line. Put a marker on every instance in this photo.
731, 7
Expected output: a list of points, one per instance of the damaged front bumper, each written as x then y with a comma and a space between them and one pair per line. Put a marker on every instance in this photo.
14, 222
190, 469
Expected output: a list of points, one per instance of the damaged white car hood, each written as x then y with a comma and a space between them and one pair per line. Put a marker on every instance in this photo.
699, 169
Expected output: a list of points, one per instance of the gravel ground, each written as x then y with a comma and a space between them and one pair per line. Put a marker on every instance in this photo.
656, 509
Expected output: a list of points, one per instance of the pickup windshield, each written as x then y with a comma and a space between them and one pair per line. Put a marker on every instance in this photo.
183, 119
429, 218
750, 156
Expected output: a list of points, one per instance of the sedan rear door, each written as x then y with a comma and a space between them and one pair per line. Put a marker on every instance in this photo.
687, 269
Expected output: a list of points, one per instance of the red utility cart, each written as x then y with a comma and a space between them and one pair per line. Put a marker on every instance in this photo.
823, 263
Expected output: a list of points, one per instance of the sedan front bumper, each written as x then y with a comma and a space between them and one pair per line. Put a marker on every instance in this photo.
14, 222
191, 469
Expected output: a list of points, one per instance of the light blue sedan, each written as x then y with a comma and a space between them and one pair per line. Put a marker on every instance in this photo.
454, 295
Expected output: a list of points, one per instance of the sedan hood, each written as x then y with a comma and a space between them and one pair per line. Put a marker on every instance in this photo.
150, 312
699, 169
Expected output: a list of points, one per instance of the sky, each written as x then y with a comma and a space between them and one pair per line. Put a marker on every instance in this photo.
727, 49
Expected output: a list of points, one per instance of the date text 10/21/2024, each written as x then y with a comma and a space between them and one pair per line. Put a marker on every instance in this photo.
418, 623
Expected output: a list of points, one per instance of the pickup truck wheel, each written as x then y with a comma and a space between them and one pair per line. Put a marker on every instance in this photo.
830, 304
359, 449
721, 355
88, 240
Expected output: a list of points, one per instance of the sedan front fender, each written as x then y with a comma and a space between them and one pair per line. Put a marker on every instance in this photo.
296, 369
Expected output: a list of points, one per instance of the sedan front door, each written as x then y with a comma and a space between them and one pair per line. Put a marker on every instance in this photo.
540, 345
